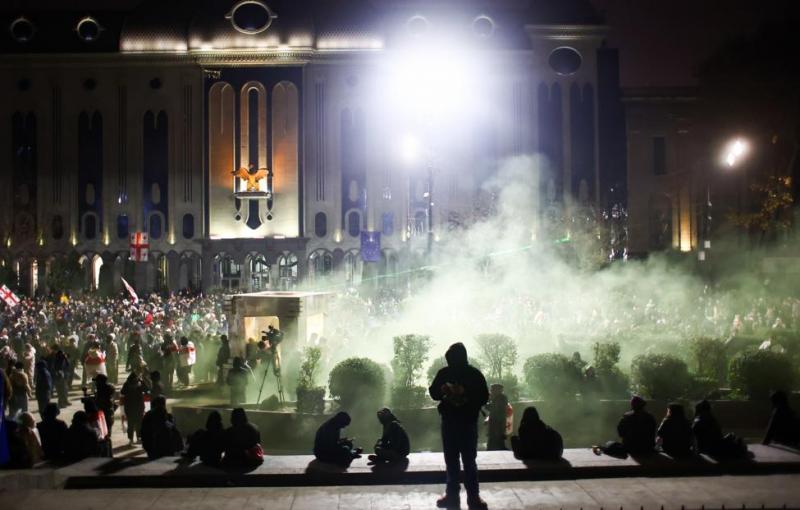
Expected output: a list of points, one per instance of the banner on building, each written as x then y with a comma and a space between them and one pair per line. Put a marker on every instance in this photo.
370, 246
140, 246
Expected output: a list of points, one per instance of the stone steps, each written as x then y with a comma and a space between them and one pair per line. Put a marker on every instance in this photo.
422, 468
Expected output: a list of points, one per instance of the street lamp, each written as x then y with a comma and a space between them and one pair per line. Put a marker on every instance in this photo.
735, 151
429, 90
733, 155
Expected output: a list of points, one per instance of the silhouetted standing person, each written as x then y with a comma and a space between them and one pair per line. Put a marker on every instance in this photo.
223, 355
461, 391
783, 426
496, 421
237, 380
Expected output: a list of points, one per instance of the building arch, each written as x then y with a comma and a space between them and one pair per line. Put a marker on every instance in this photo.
287, 270
257, 272
320, 264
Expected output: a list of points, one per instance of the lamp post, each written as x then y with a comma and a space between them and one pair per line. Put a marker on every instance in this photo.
733, 156
414, 151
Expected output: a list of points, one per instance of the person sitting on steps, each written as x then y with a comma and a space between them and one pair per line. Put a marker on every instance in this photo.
536, 440
330, 447
394, 445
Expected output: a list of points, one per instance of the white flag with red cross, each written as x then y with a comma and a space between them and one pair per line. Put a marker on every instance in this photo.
140, 246
8, 297
130, 290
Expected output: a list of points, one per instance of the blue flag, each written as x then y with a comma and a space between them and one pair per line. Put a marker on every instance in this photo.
370, 246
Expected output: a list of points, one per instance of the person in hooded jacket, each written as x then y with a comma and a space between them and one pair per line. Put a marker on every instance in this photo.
44, 384
81, 439
709, 438
53, 433
461, 391
394, 444
675, 434
783, 426
208, 443
536, 440
242, 441
330, 446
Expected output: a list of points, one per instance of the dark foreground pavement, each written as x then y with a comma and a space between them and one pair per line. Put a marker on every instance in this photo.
772, 491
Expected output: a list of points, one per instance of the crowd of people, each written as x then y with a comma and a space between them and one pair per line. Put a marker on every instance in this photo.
52, 347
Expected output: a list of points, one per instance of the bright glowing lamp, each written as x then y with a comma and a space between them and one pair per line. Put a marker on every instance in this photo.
735, 151
410, 148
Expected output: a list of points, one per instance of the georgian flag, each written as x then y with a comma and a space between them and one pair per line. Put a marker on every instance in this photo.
140, 246
130, 290
9, 297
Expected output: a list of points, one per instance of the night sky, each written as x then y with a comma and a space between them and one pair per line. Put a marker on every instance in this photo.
660, 41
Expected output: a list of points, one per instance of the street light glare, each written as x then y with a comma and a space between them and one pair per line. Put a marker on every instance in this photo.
735, 151
410, 148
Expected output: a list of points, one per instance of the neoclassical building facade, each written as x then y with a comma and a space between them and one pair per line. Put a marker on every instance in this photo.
256, 141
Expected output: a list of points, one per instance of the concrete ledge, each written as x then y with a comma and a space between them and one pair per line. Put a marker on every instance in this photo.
422, 468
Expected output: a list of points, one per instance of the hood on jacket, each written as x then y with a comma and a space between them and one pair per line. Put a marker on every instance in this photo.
456, 355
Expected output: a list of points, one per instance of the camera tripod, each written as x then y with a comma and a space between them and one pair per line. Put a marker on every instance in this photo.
274, 360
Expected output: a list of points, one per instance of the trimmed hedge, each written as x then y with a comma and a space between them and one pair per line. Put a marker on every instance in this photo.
660, 376
357, 380
756, 373
552, 376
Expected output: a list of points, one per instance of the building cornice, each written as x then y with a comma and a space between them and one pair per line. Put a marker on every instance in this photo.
566, 32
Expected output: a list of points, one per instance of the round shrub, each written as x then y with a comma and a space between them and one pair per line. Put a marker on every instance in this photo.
660, 376
552, 376
357, 380
710, 358
756, 373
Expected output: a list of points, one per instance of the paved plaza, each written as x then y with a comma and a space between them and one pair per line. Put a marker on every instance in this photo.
775, 491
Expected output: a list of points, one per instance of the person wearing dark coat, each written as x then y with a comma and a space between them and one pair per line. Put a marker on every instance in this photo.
394, 444
44, 384
675, 434
208, 443
53, 433
637, 428
496, 421
536, 440
461, 391
81, 439
156, 388
223, 355
61, 377
241, 439
160, 436
104, 398
330, 447
708, 435
783, 427
133, 391
237, 380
